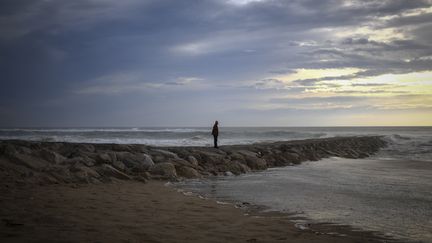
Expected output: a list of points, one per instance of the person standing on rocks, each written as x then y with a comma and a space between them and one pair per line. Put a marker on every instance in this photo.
215, 133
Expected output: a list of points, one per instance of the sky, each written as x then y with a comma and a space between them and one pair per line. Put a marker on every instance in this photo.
190, 62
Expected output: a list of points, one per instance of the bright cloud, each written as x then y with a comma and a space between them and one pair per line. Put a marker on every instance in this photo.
302, 74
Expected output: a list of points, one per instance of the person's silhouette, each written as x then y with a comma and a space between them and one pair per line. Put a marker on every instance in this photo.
215, 133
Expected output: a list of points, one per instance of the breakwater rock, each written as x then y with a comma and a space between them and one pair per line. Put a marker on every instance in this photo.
58, 162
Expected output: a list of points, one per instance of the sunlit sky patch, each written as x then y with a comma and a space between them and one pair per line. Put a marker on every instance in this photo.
299, 74
243, 62
243, 2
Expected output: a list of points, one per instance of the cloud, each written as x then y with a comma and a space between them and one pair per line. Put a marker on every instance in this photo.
182, 81
131, 82
373, 91
270, 83
243, 2
28, 17
232, 49
303, 100
399, 101
369, 84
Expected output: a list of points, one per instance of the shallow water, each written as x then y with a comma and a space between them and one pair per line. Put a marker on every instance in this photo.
390, 196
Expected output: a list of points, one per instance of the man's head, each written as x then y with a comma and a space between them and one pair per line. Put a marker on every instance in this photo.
216, 122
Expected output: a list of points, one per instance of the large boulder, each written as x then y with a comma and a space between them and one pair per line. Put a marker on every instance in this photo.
60, 173
26, 160
121, 147
187, 172
251, 159
51, 156
83, 160
166, 170
82, 168
85, 147
237, 168
84, 174
109, 171
157, 158
192, 160
247, 153
283, 158
103, 158
112, 155
208, 157
166, 153
76, 150
277, 159
138, 162
236, 156
255, 163
119, 165
180, 162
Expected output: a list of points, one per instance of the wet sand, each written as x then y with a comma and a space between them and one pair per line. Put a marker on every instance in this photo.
130, 211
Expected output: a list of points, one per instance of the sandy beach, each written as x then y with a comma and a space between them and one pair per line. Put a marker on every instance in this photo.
127, 211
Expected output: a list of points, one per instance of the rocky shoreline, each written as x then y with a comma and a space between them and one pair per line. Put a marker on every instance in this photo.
59, 162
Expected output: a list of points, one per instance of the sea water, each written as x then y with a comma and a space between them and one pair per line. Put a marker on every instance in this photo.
393, 197
390, 192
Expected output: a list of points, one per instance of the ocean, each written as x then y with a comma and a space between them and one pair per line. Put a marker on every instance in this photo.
390, 192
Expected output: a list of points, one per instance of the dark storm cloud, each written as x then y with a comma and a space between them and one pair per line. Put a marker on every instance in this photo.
68, 50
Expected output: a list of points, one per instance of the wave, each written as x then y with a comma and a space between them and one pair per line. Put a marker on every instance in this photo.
84, 130
199, 138
407, 146
397, 137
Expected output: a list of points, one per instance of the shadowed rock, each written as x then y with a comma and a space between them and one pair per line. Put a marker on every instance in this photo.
109, 171
48, 162
135, 161
165, 170
187, 172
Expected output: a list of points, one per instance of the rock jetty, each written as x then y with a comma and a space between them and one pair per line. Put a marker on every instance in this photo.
60, 162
